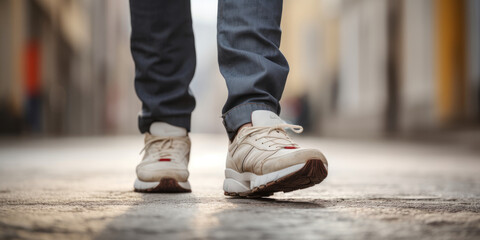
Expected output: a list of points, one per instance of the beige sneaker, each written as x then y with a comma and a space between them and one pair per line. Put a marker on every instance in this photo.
262, 159
164, 167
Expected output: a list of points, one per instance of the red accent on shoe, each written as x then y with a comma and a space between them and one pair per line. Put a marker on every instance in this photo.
164, 160
290, 147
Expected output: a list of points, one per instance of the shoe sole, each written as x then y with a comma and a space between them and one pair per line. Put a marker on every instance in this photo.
313, 172
166, 185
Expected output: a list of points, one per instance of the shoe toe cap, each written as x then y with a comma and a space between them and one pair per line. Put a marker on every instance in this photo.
157, 171
299, 156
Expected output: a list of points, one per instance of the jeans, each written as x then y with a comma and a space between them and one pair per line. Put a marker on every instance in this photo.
248, 40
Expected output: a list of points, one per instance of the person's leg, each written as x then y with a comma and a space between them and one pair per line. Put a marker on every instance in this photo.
163, 50
262, 158
249, 58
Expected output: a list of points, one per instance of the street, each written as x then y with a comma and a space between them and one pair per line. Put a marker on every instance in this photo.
81, 188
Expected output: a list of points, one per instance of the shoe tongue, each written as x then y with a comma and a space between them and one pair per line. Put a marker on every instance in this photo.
264, 118
162, 129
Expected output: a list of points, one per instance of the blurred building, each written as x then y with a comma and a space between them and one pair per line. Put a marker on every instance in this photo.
66, 67
366, 67
358, 67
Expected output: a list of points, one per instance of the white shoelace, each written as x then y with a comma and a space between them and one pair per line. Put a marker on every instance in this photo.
279, 140
165, 147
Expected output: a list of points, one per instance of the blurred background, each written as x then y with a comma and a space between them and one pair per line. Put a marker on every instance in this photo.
359, 68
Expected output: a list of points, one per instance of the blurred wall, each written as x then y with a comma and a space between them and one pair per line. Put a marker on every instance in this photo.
376, 68
66, 67
358, 67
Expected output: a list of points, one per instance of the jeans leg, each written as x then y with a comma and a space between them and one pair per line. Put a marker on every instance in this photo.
163, 50
248, 38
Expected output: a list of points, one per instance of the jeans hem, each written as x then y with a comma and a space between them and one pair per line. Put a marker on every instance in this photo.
240, 115
179, 121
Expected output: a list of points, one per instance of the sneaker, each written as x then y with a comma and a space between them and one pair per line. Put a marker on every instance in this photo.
262, 159
164, 167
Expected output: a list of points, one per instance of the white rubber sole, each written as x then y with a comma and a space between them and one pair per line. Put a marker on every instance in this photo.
148, 186
236, 182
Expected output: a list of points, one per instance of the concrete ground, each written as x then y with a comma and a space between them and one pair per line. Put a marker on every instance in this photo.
81, 188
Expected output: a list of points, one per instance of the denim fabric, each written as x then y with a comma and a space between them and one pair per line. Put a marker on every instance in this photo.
163, 50
248, 41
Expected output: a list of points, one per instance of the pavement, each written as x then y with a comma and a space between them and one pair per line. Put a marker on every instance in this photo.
81, 188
